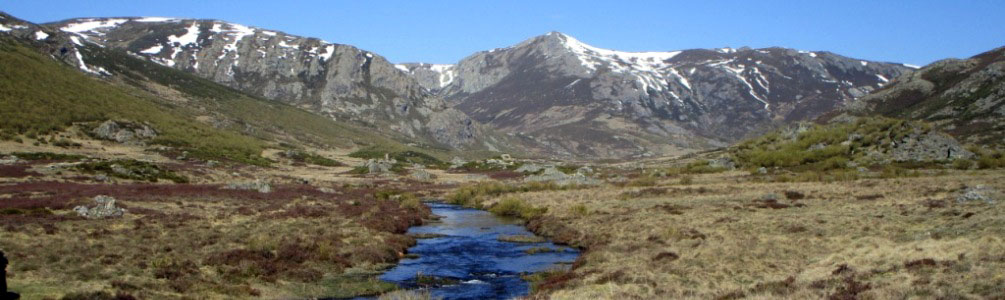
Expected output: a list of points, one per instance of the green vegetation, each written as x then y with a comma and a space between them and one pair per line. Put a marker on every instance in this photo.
989, 159
539, 278
825, 147
405, 199
39, 96
131, 169
516, 207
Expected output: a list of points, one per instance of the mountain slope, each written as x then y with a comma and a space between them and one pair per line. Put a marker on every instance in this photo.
339, 81
966, 97
583, 100
40, 95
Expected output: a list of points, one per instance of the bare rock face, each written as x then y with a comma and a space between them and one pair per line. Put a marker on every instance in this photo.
124, 132
579, 100
105, 208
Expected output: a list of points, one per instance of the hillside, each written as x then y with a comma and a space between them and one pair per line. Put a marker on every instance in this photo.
965, 97
41, 95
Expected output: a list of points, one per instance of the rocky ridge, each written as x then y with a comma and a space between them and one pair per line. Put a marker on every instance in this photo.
581, 100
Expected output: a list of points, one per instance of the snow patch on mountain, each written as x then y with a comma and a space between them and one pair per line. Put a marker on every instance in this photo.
191, 36
92, 25
447, 73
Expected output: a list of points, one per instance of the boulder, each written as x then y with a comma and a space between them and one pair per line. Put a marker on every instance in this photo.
124, 132
979, 193
9, 160
105, 208
379, 166
724, 162
457, 162
530, 168
421, 175
552, 174
257, 185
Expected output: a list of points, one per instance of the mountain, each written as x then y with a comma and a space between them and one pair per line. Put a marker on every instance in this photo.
56, 81
340, 81
965, 97
581, 100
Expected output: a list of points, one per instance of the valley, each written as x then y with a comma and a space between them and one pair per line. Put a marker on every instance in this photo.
169, 158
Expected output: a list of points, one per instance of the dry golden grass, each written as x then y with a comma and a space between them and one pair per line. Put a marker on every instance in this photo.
293, 243
719, 238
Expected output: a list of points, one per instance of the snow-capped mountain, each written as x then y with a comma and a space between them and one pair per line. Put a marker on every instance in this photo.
341, 81
584, 100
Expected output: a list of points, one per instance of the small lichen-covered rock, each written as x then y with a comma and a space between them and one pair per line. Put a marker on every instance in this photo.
258, 185
105, 208
978, 193
9, 160
421, 175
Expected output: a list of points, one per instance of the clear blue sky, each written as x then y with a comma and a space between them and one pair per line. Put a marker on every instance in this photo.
915, 31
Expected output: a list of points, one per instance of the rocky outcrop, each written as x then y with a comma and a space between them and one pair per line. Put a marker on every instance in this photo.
105, 208
552, 174
124, 132
931, 146
379, 166
421, 174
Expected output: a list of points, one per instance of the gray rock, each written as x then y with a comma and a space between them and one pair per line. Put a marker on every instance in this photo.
9, 160
978, 193
530, 168
124, 132
457, 162
770, 197
421, 175
762, 170
257, 185
326, 190
724, 162
379, 166
105, 208
552, 174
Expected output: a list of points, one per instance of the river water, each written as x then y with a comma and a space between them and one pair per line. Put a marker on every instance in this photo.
470, 254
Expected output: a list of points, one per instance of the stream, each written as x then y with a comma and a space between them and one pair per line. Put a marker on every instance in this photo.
477, 264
